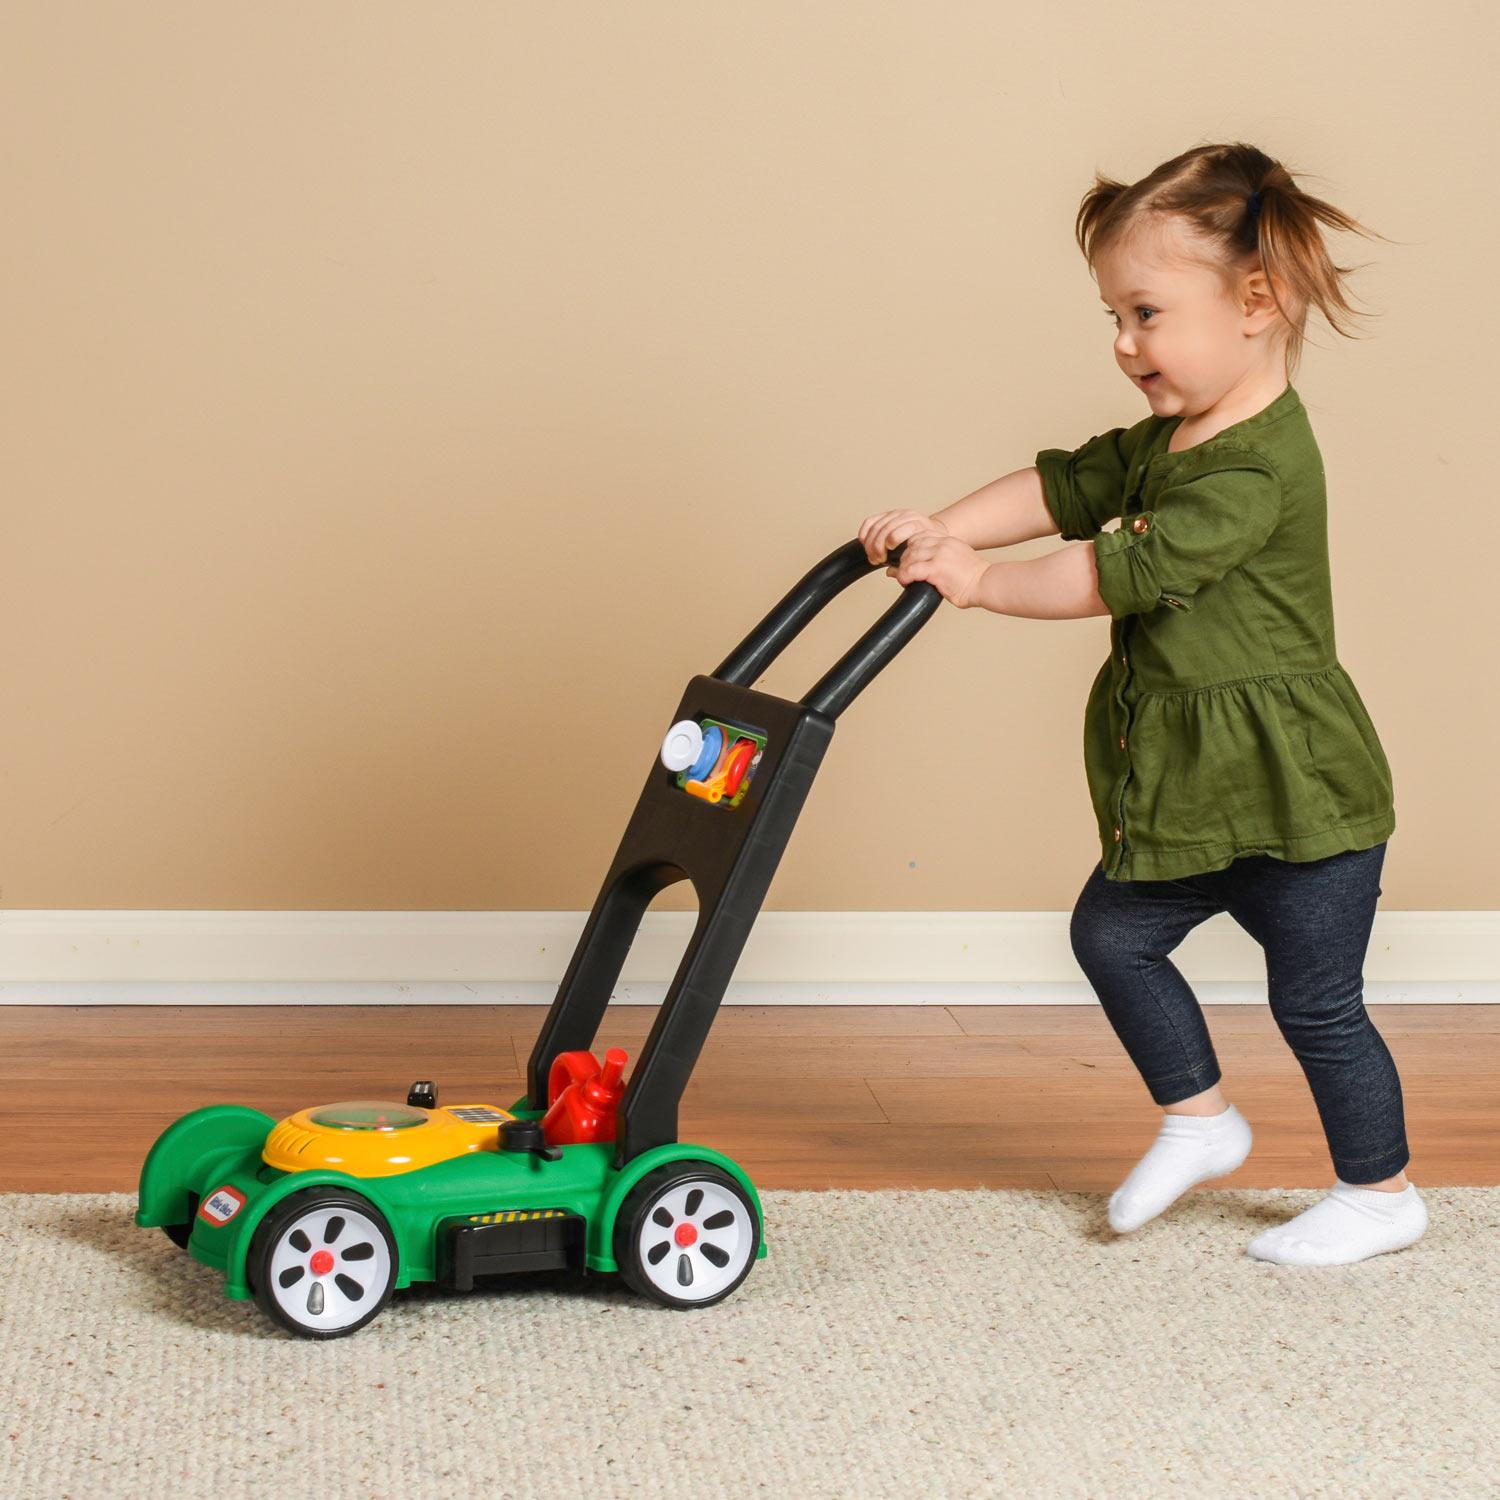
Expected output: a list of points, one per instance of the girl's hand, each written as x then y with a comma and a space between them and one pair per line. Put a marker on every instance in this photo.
883, 533
953, 567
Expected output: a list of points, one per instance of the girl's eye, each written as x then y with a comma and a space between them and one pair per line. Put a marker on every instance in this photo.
1109, 312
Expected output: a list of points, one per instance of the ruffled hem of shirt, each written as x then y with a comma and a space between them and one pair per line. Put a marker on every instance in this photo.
1326, 780
1170, 864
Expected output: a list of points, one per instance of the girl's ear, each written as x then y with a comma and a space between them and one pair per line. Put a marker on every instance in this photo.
1257, 305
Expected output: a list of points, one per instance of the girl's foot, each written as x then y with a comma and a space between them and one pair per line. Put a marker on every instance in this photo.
1190, 1149
1352, 1223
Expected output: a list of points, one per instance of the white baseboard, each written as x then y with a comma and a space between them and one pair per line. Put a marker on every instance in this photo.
448, 992
824, 958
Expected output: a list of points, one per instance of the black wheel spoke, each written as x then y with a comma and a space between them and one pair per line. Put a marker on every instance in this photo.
719, 1257
721, 1220
300, 1241
334, 1229
663, 1217
684, 1271
360, 1252
349, 1287
290, 1277
315, 1299
694, 1199
656, 1252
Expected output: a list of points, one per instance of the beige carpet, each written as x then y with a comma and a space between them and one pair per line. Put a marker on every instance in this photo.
912, 1343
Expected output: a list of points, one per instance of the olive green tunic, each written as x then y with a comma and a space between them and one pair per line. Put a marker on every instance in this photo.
1222, 723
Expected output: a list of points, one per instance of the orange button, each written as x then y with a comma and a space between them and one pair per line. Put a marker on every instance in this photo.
1139, 524
1122, 742
1117, 835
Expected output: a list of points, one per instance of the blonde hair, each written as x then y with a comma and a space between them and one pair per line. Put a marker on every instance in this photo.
1209, 188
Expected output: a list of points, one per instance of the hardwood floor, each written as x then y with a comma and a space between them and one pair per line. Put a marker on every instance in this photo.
802, 1096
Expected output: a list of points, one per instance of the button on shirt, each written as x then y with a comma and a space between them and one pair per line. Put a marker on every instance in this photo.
1223, 723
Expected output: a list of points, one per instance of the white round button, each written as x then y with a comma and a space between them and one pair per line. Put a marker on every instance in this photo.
682, 746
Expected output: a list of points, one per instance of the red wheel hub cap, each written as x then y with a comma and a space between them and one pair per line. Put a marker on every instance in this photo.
322, 1262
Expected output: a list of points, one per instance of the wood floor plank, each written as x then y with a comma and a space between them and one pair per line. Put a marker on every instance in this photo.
980, 1020
804, 1096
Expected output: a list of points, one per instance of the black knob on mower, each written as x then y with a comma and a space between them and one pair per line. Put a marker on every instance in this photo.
526, 1135
422, 1095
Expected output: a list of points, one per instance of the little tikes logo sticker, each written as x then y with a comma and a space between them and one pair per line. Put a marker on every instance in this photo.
221, 1205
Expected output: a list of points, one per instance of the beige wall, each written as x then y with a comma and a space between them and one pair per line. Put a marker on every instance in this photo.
398, 396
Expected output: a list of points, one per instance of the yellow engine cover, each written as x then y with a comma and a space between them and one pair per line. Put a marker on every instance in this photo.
374, 1138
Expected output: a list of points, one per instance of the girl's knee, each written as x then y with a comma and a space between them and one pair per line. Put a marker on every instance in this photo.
1315, 1014
1095, 941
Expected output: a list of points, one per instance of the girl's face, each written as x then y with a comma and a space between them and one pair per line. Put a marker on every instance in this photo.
1180, 336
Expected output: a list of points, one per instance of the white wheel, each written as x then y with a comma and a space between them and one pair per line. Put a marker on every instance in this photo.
687, 1235
323, 1263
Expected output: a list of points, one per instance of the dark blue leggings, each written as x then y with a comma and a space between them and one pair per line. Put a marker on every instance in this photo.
1313, 918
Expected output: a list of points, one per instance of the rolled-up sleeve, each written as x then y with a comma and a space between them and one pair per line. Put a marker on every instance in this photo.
1084, 487
1215, 512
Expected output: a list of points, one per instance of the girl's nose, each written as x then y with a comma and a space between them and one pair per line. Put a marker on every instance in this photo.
1124, 344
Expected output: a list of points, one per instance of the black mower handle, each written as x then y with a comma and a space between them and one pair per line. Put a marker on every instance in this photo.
847, 678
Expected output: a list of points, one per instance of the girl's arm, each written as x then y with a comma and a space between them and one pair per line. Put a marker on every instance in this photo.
1063, 585
1006, 510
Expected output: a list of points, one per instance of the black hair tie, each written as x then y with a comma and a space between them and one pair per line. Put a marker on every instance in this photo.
1252, 204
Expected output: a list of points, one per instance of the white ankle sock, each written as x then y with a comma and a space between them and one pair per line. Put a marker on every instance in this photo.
1351, 1223
1189, 1149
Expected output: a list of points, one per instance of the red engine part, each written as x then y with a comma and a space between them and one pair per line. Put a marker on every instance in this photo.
582, 1097
739, 761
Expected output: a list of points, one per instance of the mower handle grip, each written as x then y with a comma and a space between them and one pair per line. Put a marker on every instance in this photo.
847, 678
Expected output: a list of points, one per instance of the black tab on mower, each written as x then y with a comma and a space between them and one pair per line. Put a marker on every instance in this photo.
538, 1239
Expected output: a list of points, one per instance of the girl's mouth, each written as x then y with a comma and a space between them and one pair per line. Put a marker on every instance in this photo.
1147, 379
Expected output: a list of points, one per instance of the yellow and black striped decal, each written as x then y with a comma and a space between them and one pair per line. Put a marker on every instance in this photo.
516, 1215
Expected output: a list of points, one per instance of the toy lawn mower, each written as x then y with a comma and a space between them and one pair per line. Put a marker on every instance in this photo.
320, 1217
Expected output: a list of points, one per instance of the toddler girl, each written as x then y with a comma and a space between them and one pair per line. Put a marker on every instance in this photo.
1231, 762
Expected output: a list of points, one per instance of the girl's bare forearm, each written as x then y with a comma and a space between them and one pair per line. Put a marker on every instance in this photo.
1063, 585
1006, 510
